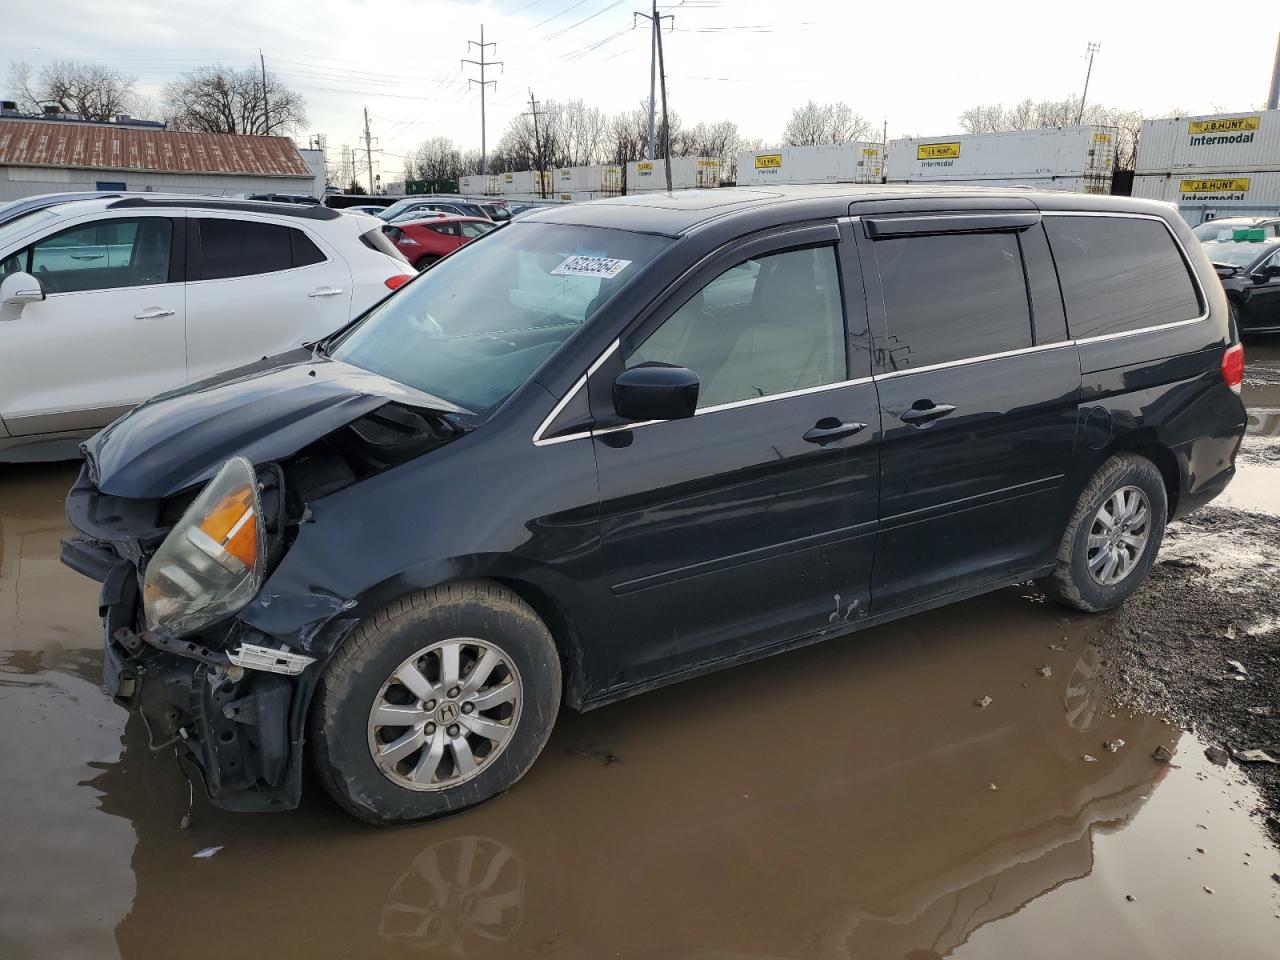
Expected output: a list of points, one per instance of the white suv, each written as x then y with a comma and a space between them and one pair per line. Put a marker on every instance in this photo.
105, 302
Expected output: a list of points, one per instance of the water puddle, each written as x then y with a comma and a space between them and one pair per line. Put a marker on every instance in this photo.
849, 800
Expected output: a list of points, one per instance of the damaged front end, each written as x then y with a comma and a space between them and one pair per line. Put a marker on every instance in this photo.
178, 568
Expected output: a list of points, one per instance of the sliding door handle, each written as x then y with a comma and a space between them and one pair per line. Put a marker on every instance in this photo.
924, 412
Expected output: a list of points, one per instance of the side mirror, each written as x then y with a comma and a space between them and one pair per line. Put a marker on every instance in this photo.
656, 391
1269, 272
19, 289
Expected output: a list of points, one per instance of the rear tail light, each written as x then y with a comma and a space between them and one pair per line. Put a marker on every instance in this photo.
400, 279
1233, 367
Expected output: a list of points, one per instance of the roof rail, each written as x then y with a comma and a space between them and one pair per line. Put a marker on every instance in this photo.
301, 211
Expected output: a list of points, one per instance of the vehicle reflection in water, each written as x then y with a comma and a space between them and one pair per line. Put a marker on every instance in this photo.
837, 801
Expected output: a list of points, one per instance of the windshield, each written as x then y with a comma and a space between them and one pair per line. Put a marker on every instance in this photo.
393, 211
1238, 253
477, 325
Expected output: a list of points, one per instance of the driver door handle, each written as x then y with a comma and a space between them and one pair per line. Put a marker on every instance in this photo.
152, 313
324, 292
924, 412
829, 429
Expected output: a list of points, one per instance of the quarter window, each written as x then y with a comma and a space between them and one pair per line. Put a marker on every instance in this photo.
1119, 274
766, 326
104, 255
952, 297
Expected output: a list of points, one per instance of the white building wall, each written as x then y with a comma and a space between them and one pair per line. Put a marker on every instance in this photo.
19, 182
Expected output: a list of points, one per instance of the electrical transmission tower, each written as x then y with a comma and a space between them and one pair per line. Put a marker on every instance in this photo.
482, 63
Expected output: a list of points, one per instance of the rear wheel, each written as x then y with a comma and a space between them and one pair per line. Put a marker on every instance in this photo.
1112, 537
437, 703
424, 261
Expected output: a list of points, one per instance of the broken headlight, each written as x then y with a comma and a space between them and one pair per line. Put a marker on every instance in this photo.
211, 564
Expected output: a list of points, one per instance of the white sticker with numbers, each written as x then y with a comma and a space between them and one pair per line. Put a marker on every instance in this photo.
604, 267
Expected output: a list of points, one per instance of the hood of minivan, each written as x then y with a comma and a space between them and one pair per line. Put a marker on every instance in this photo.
263, 411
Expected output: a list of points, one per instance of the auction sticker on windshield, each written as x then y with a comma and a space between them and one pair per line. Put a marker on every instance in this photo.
604, 267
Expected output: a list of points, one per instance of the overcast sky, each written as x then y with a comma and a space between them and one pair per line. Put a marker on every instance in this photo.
916, 65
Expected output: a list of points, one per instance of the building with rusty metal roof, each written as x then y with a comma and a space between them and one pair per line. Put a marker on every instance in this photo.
54, 153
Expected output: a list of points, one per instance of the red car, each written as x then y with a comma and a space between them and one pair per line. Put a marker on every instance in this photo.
425, 241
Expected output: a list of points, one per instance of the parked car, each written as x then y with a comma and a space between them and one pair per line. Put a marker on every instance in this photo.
423, 242
1223, 227
1249, 268
284, 198
14, 209
409, 206
106, 302
497, 212
625, 442
372, 209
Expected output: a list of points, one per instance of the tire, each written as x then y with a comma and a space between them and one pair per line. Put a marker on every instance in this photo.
424, 261
519, 696
1072, 582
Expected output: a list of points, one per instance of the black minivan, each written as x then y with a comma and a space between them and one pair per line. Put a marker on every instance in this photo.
614, 445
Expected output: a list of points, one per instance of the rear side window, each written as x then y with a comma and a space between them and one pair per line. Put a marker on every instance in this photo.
242, 248
1119, 274
952, 297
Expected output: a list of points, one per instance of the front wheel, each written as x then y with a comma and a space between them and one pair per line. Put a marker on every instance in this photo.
425, 261
435, 704
1112, 537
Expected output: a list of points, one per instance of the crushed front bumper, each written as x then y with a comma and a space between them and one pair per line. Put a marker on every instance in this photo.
239, 728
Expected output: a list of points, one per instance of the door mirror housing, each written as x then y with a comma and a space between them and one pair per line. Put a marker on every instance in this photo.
656, 391
1269, 272
19, 289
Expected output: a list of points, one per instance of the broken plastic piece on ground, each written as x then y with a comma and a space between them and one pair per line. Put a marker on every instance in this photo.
983, 702
1111, 746
206, 853
1088, 758
1045, 671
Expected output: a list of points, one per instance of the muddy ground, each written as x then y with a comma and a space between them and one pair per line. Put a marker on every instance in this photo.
849, 800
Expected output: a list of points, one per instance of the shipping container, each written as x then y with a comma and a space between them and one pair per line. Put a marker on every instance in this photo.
1246, 142
611, 180
1084, 154
525, 183
578, 179
859, 162
686, 172
1201, 197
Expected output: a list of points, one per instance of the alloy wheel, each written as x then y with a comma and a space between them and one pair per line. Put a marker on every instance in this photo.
1118, 535
445, 714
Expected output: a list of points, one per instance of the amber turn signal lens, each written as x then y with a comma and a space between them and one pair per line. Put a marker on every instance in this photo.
233, 525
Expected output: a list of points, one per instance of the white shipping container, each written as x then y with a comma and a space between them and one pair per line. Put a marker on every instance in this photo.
1085, 152
578, 179
858, 162
686, 173
611, 180
524, 183
1239, 142
1201, 197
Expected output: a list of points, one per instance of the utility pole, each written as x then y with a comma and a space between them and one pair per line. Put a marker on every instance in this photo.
662, 74
1092, 49
368, 149
1273, 98
266, 104
537, 145
655, 45
482, 63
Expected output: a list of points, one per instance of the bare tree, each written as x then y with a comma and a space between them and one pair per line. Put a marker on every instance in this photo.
434, 159
817, 123
218, 99
84, 89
